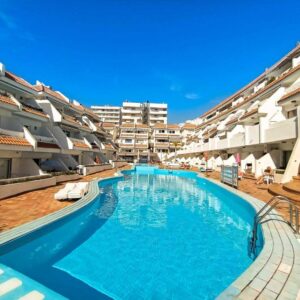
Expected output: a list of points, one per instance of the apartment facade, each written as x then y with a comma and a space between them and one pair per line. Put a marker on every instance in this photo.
133, 112
133, 142
258, 126
41, 130
108, 113
165, 139
155, 113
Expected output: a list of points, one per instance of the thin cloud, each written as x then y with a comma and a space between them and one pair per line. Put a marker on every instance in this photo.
175, 87
12, 28
191, 96
7, 21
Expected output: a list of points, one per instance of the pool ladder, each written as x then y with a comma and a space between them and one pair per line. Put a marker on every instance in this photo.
264, 211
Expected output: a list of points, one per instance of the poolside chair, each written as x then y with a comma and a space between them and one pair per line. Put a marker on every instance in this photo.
269, 178
62, 194
79, 191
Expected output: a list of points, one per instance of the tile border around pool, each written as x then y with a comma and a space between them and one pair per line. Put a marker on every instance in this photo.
34, 225
275, 273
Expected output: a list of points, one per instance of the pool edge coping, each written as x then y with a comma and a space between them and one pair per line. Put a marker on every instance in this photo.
251, 284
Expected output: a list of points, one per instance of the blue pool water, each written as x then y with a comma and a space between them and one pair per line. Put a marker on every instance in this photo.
153, 234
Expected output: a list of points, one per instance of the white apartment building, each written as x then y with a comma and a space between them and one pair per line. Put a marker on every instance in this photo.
187, 132
108, 113
133, 142
155, 113
165, 139
41, 130
133, 112
259, 124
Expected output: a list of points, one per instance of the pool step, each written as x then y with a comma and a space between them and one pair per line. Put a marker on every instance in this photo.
277, 189
293, 187
15, 285
34, 295
9, 285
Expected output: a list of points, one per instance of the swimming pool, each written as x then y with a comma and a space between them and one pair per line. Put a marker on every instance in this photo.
152, 234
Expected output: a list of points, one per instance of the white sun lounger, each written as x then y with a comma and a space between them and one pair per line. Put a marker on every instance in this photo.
79, 191
63, 193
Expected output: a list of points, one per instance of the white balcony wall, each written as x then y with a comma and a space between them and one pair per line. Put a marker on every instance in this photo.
63, 141
29, 137
296, 61
222, 144
279, 131
252, 134
24, 167
89, 123
206, 146
50, 110
237, 140
271, 159
212, 144
230, 161
270, 108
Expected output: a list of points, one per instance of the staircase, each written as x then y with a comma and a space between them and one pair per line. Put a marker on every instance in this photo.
290, 189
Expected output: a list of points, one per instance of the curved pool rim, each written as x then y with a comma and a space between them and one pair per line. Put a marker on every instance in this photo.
275, 233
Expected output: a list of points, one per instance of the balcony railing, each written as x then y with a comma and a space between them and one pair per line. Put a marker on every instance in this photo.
222, 144
252, 135
237, 140
284, 130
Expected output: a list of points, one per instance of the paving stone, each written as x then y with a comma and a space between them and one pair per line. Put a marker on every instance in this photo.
258, 284
248, 293
280, 276
285, 268
275, 286
26, 207
267, 295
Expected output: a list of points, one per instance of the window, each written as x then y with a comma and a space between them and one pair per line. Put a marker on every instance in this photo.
161, 131
128, 141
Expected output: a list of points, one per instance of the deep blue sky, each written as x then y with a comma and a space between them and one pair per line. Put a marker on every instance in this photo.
190, 54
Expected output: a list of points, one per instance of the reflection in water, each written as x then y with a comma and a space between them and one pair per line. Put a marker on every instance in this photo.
169, 237
151, 195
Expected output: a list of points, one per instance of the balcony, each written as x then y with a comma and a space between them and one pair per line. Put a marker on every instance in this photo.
205, 147
237, 140
141, 146
80, 144
127, 153
284, 130
252, 135
141, 135
46, 143
131, 111
222, 144
212, 143
161, 145
128, 145
127, 135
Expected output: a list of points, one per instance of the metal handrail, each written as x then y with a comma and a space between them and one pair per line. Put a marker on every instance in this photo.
265, 210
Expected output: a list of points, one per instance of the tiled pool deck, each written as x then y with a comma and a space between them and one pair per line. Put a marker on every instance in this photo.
275, 274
